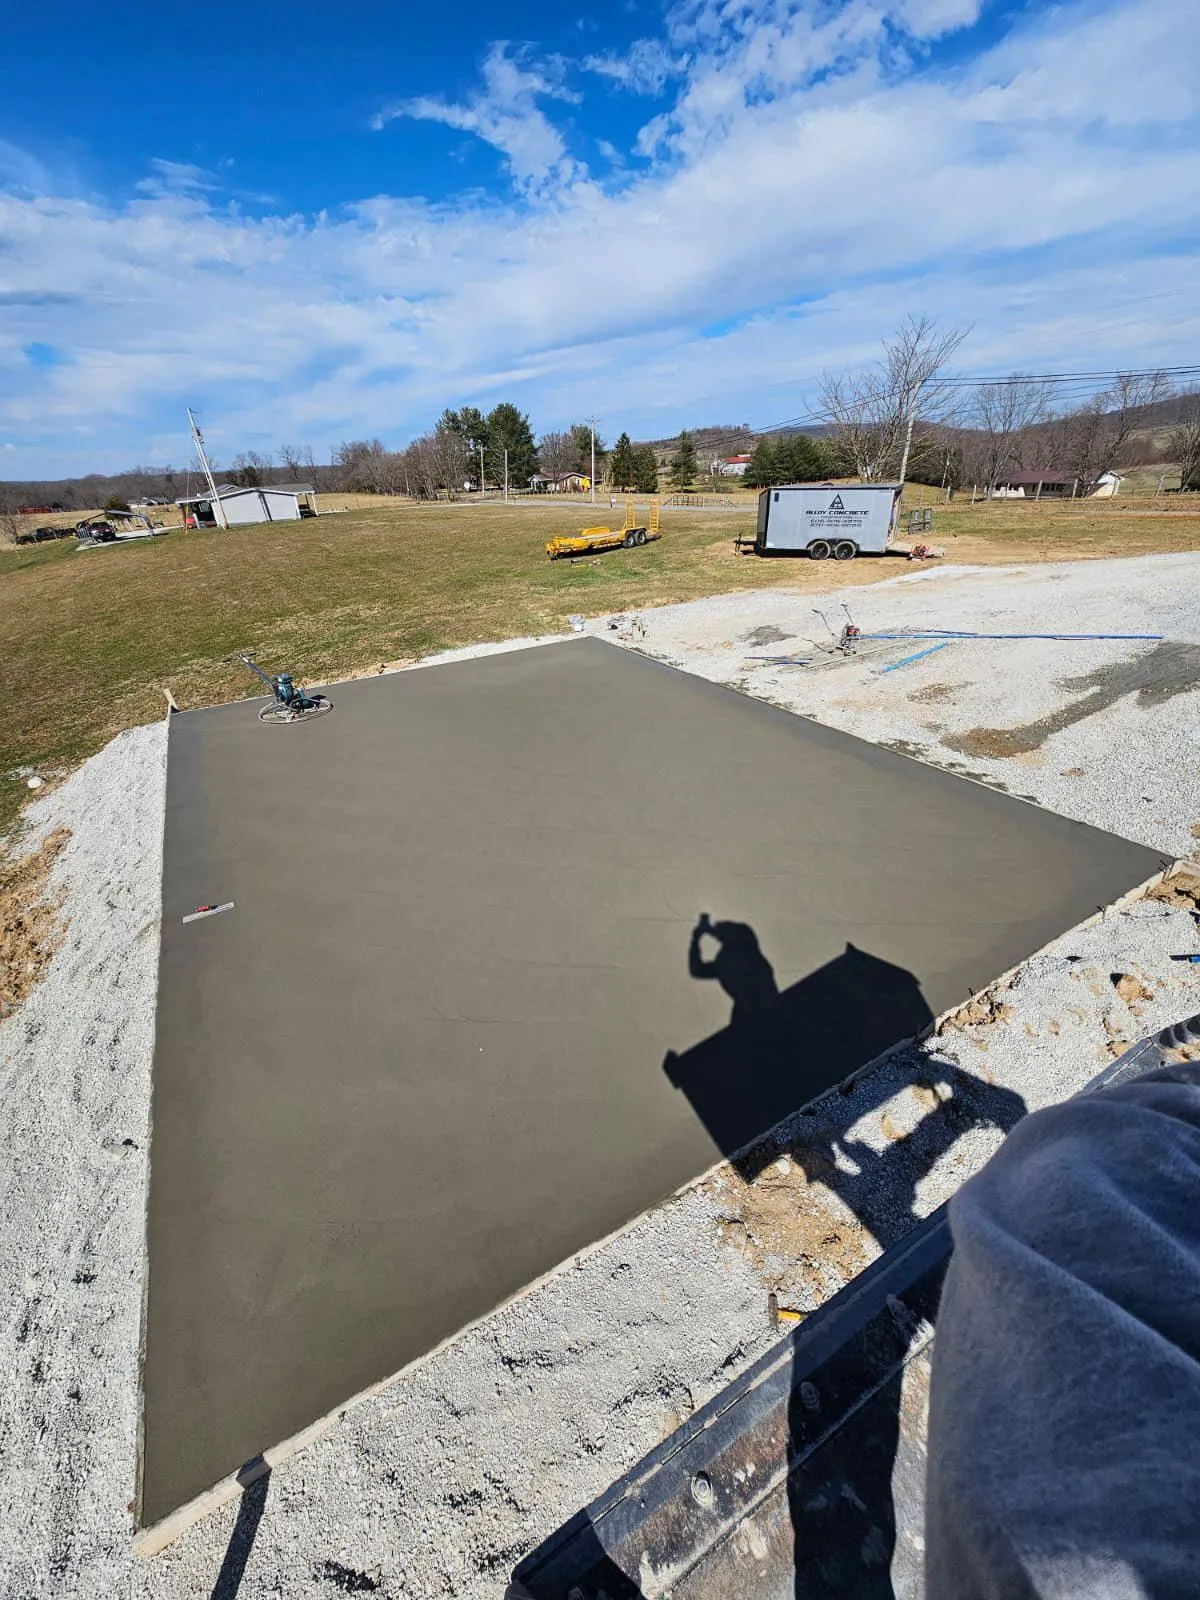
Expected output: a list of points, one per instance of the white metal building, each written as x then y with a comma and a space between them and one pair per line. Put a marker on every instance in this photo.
274, 502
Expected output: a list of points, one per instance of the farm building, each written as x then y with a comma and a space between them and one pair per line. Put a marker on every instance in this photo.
1056, 485
1106, 485
273, 502
731, 466
1036, 486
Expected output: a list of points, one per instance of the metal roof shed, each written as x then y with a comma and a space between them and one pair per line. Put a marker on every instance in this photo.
273, 502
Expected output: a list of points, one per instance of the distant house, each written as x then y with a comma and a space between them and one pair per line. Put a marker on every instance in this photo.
273, 502
731, 466
1036, 486
1106, 485
560, 483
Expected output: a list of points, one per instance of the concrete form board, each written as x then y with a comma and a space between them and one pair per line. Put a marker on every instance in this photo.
448, 1035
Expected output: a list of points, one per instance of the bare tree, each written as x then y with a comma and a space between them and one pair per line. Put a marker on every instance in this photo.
558, 453
251, 469
417, 469
435, 464
872, 415
449, 461
296, 459
10, 521
1004, 414
1097, 433
365, 467
1183, 443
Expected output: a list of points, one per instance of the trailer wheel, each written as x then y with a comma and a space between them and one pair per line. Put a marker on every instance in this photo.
629, 541
845, 550
641, 536
819, 549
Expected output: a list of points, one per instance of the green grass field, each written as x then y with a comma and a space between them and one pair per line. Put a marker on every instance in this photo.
88, 640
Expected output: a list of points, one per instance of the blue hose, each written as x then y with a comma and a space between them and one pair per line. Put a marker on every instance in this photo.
920, 656
947, 633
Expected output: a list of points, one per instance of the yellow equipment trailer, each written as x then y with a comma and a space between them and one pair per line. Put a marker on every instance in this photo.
590, 540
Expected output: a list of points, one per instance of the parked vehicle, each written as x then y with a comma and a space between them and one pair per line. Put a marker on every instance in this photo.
822, 520
590, 540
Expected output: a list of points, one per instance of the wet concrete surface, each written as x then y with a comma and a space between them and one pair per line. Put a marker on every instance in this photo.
465, 1018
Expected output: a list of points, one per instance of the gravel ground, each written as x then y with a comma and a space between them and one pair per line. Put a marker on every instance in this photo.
1128, 764
75, 1099
437, 1483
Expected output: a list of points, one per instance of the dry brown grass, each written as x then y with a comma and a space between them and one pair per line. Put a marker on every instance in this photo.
88, 639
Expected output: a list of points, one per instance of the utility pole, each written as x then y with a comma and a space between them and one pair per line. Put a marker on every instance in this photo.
592, 422
198, 440
481, 472
506, 475
908, 434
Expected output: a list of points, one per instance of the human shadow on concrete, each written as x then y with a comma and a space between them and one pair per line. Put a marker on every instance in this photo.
782, 1049
762, 1087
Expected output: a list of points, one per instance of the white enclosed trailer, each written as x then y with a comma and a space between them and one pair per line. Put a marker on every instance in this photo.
820, 520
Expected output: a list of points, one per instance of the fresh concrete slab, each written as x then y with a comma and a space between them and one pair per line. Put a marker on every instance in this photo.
459, 1023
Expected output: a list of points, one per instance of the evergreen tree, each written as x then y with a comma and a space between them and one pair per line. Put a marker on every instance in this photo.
508, 429
623, 466
645, 466
801, 459
761, 472
683, 463
470, 425
581, 433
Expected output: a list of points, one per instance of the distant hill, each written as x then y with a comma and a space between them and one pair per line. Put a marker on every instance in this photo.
730, 439
719, 439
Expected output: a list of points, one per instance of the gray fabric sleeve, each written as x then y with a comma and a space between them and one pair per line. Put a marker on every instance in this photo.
1064, 1445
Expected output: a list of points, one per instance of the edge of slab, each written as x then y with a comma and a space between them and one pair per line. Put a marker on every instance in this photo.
151, 1541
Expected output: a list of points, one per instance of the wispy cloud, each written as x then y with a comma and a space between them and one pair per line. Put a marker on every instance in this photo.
644, 68
505, 114
177, 178
810, 178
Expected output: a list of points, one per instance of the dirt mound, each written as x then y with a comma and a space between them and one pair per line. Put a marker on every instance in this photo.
29, 929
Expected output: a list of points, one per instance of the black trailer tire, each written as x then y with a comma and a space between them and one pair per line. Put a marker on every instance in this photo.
641, 536
629, 541
845, 550
819, 549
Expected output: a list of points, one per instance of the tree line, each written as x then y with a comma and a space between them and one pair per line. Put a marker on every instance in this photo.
902, 415
467, 449
906, 416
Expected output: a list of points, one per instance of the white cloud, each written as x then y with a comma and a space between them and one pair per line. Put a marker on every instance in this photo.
506, 115
811, 189
19, 170
643, 69
1101, 74
177, 177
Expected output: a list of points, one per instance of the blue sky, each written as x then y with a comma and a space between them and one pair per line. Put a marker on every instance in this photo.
331, 222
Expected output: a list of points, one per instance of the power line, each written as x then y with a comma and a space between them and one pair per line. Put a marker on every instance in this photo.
1069, 377
1070, 385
